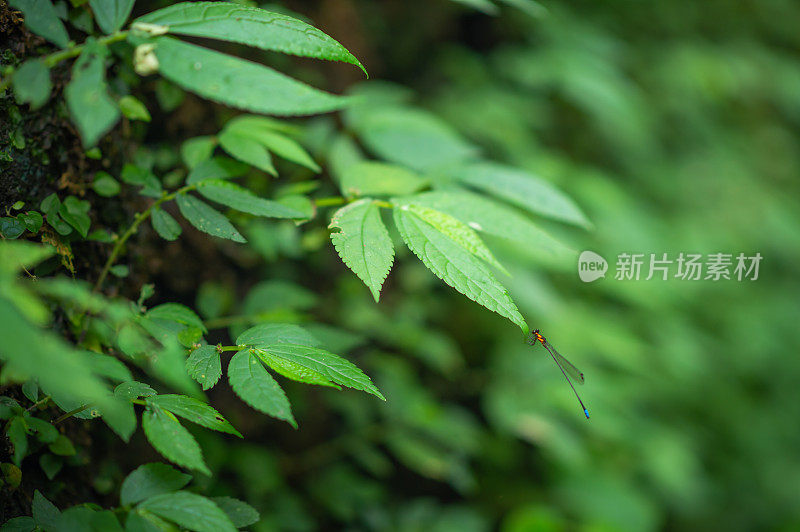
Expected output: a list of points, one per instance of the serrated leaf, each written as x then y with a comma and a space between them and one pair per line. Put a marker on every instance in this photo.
194, 410
177, 313
252, 26
110, 15
204, 366
524, 189
333, 367
413, 138
216, 168
189, 510
276, 333
241, 199
151, 479
246, 85
292, 370
239, 512
32, 83
363, 243
164, 224
372, 178
206, 219
494, 218
457, 231
91, 108
172, 440
42, 19
254, 385
456, 266
133, 390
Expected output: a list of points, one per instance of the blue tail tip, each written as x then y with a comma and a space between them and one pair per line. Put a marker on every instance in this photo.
586, 413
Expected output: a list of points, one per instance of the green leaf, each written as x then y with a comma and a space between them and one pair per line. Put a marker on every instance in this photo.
276, 333
288, 149
194, 410
247, 149
481, 5
92, 109
133, 390
197, 150
45, 513
239, 512
251, 26
42, 19
105, 185
493, 218
523, 189
11, 227
204, 366
43, 430
245, 83
177, 313
32, 83
458, 232
363, 243
216, 168
254, 385
241, 199
413, 138
333, 367
75, 213
19, 524
143, 177
456, 266
174, 442
164, 224
149, 480
51, 465
62, 446
32, 221
110, 15
206, 219
143, 521
189, 510
133, 109
18, 437
372, 178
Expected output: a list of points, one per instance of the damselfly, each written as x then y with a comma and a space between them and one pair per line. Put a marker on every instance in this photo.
563, 364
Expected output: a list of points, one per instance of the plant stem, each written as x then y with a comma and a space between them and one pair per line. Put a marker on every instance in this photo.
328, 202
56, 57
223, 348
138, 219
69, 414
40, 402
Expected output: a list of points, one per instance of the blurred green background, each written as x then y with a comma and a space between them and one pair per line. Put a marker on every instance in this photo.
675, 126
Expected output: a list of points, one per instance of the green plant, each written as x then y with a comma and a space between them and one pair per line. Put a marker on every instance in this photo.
77, 344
